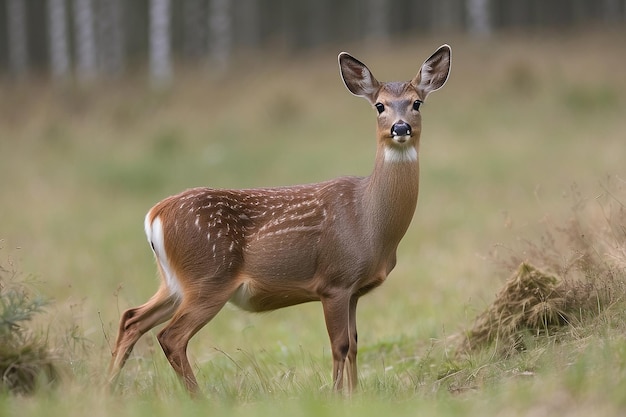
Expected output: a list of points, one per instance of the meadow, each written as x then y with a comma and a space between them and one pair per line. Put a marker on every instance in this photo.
528, 134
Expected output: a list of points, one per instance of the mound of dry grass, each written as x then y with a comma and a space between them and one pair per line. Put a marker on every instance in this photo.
530, 300
587, 262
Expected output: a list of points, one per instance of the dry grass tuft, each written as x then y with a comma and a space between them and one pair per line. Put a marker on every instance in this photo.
589, 257
25, 365
530, 300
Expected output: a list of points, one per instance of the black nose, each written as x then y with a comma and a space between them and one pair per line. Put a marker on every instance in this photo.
400, 129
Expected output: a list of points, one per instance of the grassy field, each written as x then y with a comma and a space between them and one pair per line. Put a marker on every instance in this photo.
529, 133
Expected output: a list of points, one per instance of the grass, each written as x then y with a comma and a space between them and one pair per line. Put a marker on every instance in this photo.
587, 252
519, 123
25, 358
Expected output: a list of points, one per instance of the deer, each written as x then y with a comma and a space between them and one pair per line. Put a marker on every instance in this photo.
267, 248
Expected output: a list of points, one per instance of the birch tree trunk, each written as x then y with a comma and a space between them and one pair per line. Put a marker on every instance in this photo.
160, 59
84, 35
58, 40
220, 33
17, 37
478, 17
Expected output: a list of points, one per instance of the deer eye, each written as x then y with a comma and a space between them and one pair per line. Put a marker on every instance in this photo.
380, 107
416, 104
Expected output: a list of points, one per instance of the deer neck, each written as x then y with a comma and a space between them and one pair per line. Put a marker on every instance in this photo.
391, 193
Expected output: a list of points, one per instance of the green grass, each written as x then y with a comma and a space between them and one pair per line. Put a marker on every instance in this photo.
518, 124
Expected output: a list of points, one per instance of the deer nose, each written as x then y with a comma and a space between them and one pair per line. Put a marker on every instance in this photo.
400, 129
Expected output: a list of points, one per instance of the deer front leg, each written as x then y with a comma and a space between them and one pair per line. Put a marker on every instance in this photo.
336, 314
352, 351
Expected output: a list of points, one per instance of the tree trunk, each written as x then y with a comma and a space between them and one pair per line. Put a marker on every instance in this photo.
58, 40
220, 33
160, 60
478, 17
17, 37
84, 36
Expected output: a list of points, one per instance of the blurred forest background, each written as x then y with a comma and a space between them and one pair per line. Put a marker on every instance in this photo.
86, 40
107, 106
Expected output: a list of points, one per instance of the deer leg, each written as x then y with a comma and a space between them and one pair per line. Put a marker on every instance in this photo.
336, 314
352, 351
137, 321
190, 317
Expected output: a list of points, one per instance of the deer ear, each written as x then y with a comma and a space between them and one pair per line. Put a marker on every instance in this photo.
357, 77
434, 72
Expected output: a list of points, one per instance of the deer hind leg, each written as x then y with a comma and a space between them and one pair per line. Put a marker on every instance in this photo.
337, 316
193, 313
137, 321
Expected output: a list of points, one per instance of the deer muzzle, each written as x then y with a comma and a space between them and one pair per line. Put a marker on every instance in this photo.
401, 130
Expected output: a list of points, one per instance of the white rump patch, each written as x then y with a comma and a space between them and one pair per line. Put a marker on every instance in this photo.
400, 154
154, 232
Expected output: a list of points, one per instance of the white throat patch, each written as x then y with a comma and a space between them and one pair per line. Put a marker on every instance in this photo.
400, 154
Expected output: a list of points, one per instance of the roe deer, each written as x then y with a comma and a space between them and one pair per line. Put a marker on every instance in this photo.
268, 248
